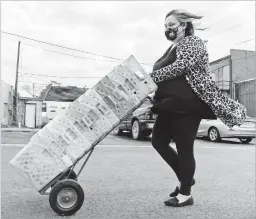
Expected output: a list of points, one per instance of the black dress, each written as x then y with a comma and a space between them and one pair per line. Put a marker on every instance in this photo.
176, 96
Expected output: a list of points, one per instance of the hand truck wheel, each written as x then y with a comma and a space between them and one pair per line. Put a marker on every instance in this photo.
66, 197
68, 175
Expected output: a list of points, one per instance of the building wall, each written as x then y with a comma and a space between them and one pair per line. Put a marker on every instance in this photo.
22, 111
38, 112
220, 71
246, 94
243, 65
6, 111
238, 66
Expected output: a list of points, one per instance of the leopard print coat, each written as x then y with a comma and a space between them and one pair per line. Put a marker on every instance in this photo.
193, 62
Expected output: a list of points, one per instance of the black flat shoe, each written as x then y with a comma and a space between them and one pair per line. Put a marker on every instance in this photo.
177, 190
174, 202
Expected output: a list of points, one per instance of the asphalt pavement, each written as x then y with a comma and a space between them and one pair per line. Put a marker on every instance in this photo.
128, 179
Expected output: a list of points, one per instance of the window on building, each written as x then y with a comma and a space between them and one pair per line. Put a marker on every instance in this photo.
218, 77
222, 77
226, 77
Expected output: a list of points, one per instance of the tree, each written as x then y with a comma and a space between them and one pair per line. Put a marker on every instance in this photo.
30, 90
33, 90
44, 91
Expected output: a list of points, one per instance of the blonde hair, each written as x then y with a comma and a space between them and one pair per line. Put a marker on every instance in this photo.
185, 17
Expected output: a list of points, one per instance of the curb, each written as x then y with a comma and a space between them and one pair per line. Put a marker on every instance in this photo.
14, 145
19, 130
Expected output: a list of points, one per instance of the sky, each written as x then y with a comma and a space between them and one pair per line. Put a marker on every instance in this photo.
111, 28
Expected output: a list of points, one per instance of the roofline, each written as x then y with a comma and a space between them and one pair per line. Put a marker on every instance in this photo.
243, 50
220, 59
240, 82
63, 87
30, 98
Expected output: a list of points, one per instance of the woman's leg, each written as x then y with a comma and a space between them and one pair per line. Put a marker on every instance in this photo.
161, 137
186, 127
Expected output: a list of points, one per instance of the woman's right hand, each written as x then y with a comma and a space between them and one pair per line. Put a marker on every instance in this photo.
151, 97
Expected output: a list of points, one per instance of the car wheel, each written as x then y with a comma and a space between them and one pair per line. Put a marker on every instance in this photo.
147, 133
118, 131
245, 140
214, 135
136, 130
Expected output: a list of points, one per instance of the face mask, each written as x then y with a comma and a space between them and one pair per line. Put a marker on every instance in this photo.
174, 32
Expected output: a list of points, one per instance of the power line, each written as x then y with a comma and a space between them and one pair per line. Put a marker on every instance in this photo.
64, 47
244, 41
225, 18
229, 29
32, 82
33, 77
87, 77
75, 56
216, 5
213, 8
220, 21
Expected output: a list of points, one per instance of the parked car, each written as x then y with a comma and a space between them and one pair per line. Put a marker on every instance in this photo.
140, 123
215, 130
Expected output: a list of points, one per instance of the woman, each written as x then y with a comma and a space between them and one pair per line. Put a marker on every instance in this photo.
186, 94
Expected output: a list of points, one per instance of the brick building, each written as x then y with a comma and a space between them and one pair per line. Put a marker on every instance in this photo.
235, 75
231, 69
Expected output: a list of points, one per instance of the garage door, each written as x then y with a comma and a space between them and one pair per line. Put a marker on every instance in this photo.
30, 118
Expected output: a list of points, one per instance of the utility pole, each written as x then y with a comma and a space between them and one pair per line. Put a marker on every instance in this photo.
15, 101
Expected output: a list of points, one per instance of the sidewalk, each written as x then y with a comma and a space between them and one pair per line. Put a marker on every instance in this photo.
19, 130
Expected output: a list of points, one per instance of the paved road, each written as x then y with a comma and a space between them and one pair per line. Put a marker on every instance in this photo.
131, 181
21, 138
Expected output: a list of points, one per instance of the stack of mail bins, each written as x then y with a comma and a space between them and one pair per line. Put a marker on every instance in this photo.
87, 120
